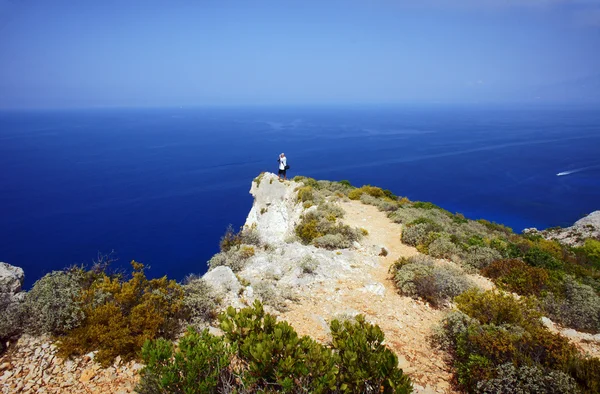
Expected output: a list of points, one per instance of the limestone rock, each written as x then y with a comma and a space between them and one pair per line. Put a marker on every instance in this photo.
274, 212
222, 279
11, 278
587, 227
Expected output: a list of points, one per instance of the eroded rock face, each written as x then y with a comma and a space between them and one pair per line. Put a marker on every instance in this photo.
11, 278
274, 212
587, 227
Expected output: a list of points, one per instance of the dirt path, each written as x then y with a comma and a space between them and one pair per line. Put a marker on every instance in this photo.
406, 322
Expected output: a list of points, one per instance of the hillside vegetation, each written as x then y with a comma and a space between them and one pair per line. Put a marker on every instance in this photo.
495, 340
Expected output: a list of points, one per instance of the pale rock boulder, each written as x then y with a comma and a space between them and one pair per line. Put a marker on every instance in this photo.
11, 278
226, 284
274, 212
222, 279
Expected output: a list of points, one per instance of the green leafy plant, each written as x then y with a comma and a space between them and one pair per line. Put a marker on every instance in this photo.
365, 364
420, 277
199, 365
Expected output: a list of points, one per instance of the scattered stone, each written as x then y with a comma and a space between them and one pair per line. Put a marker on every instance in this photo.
87, 375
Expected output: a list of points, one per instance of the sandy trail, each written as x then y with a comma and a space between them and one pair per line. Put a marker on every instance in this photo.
368, 290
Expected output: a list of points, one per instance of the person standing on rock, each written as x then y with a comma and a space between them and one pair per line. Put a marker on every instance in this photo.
283, 167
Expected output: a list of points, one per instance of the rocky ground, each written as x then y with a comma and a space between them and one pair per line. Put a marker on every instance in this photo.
31, 366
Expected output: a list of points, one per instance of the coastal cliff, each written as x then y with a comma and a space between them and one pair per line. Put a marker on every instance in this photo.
316, 251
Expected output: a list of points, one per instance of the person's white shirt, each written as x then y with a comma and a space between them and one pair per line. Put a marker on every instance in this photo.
282, 162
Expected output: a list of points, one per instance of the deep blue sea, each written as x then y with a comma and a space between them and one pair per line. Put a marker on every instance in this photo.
161, 185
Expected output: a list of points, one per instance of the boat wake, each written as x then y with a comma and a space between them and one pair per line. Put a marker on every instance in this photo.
576, 170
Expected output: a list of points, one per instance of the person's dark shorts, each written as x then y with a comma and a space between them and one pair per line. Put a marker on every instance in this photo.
282, 172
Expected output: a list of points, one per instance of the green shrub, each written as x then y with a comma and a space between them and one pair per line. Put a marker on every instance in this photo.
373, 191
200, 302
199, 365
366, 365
422, 278
270, 295
590, 252
54, 303
577, 306
500, 329
332, 242
235, 258
586, 371
321, 228
541, 258
259, 178
493, 226
492, 307
275, 359
383, 204
121, 315
516, 380
443, 247
416, 234
305, 193
424, 205
308, 264
329, 209
480, 257
516, 276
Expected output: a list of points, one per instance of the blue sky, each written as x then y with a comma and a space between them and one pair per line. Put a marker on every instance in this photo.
57, 53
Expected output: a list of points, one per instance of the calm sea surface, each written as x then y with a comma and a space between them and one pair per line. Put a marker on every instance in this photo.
161, 185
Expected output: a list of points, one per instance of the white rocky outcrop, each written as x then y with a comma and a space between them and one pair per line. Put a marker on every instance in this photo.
11, 278
586, 227
282, 265
274, 212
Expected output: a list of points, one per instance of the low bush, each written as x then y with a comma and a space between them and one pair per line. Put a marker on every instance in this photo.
276, 359
575, 305
53, 304
495, 329
538, 257
525, 379
270, 295
498, 308
480, 257
589, 253
365, 364
443, 247
321, 228
435, 284
384, 204
416, 234
305, 193
493, 226
234, 258
246, 235
372, 191
516, 276
308, 264
586, 371
199, 365
332, 242
200, 302
121, 315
